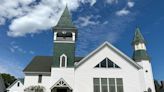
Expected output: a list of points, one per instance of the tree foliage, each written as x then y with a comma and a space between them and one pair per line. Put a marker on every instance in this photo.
8, 79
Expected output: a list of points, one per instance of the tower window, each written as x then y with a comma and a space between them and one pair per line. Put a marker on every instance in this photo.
63, 60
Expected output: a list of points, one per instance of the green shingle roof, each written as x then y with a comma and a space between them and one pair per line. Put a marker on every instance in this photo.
138, 38
65, 20
43, 64
140, 55
40, 64
77, 59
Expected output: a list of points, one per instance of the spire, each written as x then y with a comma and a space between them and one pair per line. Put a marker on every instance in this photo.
65, 20
140, 52
138, 38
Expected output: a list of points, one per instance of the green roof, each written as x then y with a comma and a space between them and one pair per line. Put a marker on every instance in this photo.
40, 64
77, 59
138, 38
43, 64
65, 20
140, 55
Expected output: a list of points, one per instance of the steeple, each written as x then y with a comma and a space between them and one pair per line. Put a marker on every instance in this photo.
65, 20
138, 38
65, 34
138, 43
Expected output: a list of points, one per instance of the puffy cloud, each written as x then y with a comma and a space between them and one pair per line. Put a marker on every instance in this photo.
130, 4
122, 12
33, 16
125, 10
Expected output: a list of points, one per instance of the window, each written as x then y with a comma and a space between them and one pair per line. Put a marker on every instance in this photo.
108, 84
104, 85
63, 60
96, 85
40, 79
18, 84
119, 85
107, 63
112, 85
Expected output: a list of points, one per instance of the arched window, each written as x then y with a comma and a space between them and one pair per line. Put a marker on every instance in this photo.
63, 60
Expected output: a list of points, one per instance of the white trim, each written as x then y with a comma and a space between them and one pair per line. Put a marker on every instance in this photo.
63, 55
64, 41
16, 81
55, 35
60, 84
107, 44
73, 36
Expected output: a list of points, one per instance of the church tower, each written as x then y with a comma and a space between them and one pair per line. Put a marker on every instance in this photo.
64, 41
142, 58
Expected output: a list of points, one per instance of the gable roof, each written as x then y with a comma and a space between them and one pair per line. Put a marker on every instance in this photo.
40, 64
107, 44
20, 79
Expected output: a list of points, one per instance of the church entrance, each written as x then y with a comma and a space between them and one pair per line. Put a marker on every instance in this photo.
61, 86
61, 90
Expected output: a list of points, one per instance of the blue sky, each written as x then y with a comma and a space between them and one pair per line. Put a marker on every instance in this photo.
25, 29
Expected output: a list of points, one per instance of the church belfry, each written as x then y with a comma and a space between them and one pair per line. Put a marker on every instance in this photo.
64, 41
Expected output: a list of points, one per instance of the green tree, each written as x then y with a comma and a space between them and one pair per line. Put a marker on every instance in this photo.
8, 79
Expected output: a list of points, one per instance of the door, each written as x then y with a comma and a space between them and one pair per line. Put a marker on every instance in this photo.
61, 90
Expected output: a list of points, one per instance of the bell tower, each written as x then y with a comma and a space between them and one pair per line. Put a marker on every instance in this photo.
142, 58
64, 41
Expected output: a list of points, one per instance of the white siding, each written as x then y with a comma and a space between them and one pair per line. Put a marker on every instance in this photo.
15, 87
86, 72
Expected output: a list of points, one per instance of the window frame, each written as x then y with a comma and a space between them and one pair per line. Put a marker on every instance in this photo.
108, 84
107, 60
61, 61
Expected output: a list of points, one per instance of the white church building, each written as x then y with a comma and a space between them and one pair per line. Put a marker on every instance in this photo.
106, 69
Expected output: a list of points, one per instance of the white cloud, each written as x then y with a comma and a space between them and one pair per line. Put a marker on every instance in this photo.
14, 47
130, 4
6, 66
86, 21
122, 12
32, 52
111, 1
29, 16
